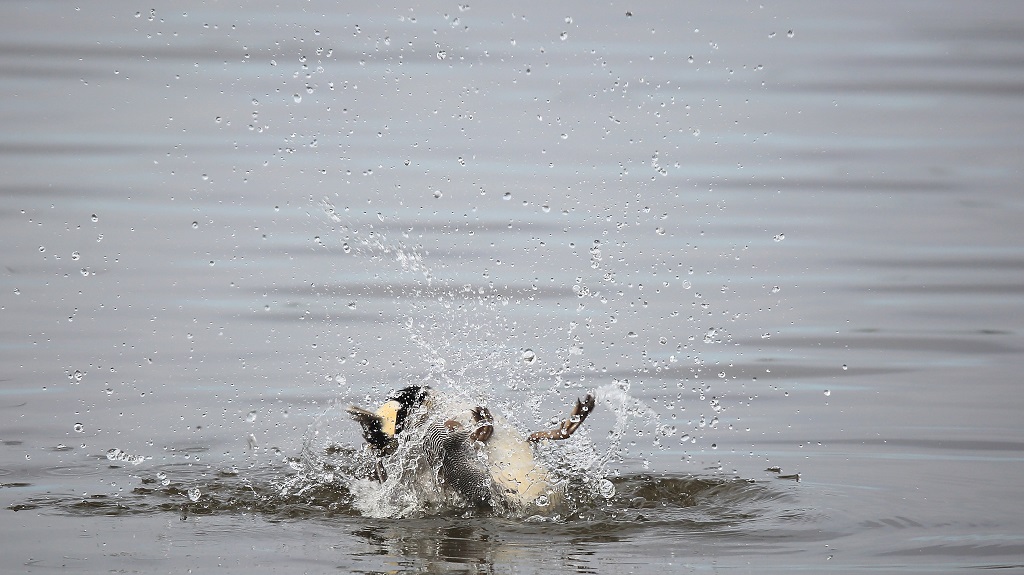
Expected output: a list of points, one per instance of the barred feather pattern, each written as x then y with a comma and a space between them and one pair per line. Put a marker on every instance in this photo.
451, 453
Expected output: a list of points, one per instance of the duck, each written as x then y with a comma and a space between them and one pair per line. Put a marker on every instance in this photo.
470, 455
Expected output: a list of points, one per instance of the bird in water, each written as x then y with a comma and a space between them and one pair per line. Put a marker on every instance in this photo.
467, 453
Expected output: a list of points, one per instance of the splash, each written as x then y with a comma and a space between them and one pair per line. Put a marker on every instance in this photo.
463, 342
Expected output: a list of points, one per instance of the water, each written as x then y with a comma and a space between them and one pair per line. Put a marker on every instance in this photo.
782, 238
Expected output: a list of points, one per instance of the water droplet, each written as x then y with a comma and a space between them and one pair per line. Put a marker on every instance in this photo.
441, 54
776, 289
789, 34
779, 237
507, 196
690, 59
529, 356
606, 489
563, 36
162, 477
251, 416
660, 231
195, 225
95, 218
542, 501
827, 393
79, 428
76, 256
194, 494
346, 248
844, 367
438, 194
297, 98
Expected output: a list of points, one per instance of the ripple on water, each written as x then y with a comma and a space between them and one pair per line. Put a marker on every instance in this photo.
80, 470
640, 502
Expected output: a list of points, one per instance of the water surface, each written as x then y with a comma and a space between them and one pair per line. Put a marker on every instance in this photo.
787, 233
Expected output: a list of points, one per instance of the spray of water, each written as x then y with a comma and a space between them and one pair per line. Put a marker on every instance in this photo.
461, 335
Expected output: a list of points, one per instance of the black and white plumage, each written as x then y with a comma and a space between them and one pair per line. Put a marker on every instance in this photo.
483, 460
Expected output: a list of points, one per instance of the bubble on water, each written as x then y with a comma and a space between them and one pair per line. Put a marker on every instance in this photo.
76, 256
194, 494
542, 501
529, 356
42, 249
195, 225
507, 196
779, 237
563, 36
346, 248
95, 218
116, 454
438, 194
441, 54
162, 478
844, 367
79, 428
790, 34
84, 272
776, 289
545, 208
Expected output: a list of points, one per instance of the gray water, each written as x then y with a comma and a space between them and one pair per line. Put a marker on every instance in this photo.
798, 253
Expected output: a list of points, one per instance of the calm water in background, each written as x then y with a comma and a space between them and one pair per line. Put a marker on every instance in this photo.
809, 231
